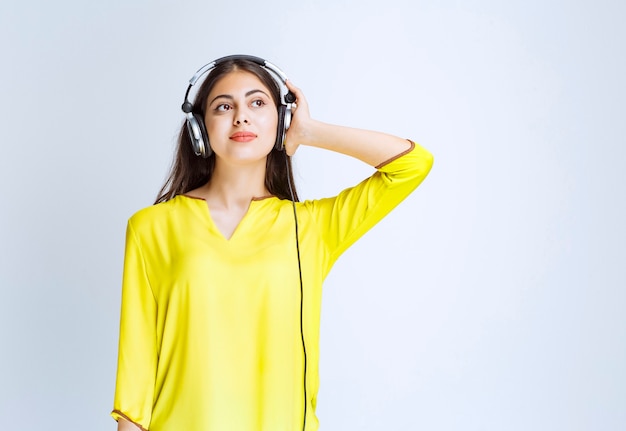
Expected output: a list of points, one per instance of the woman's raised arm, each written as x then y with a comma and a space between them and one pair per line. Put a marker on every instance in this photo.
368, 146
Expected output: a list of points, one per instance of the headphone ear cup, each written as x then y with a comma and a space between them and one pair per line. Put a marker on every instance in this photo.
198, 135
205, 137
284, 120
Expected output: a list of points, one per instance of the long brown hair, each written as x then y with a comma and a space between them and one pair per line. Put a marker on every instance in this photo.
189, 171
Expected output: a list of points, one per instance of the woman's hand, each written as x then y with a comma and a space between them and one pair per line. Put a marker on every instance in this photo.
301, 122
124, 425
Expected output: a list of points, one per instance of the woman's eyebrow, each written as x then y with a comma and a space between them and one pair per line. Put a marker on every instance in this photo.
229, 97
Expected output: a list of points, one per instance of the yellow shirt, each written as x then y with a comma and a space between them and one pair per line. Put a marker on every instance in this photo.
210, 328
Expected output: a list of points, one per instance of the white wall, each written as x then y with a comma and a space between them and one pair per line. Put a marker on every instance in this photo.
492, 299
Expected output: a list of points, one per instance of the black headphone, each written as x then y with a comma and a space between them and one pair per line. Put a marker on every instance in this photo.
195, 122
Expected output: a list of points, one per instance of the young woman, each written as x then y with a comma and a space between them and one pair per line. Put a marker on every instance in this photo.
223, 275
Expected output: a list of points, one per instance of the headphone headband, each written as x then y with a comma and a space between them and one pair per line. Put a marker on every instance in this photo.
207, 67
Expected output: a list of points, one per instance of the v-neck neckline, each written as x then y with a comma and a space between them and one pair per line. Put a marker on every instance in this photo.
207, 211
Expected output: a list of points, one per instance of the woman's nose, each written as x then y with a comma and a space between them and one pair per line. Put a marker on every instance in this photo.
241, 118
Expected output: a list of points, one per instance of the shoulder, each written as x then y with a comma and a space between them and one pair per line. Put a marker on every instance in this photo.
154, 214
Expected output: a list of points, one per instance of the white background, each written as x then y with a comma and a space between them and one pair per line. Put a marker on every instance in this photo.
492, 299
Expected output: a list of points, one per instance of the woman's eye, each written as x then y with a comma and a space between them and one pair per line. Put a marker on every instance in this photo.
258, 103
223, 107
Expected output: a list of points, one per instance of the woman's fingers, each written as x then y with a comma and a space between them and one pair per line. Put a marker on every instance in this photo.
299, 118
300, 101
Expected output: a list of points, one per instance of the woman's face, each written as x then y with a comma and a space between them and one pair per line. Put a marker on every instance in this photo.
241, 119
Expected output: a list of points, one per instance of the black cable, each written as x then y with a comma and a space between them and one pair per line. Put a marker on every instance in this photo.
295, 217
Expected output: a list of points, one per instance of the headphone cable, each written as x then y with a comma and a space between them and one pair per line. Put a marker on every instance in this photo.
295, 216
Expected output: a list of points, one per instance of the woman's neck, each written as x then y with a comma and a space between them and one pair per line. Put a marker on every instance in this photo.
235, 186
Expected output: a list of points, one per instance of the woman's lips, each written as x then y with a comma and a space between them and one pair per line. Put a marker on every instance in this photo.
243, 136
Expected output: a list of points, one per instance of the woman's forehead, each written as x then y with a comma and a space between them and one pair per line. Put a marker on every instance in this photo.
238, 81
